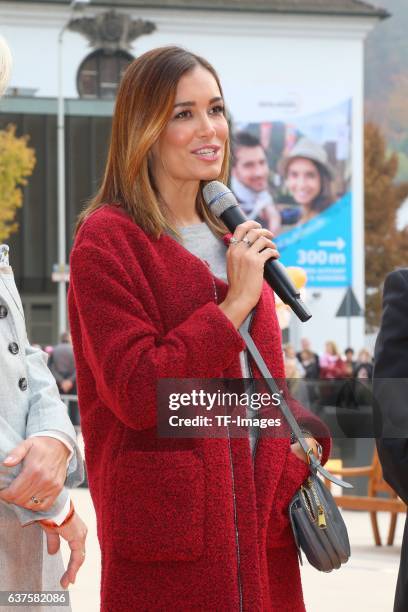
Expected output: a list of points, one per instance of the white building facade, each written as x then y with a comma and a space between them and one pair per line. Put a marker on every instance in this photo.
282, 64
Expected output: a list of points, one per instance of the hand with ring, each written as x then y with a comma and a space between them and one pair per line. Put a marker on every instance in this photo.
43, 473
251, 247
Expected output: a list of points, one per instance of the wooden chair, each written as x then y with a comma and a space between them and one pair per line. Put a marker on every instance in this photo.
371, 502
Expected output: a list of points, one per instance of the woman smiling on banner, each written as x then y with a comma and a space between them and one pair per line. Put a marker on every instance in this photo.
309, 178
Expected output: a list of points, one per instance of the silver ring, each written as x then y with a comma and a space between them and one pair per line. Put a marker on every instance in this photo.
35, 500
247, 242
234, 240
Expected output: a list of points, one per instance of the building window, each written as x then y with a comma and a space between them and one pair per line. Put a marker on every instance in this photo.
100, 73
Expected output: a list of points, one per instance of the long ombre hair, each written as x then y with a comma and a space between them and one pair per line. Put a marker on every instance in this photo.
144, 105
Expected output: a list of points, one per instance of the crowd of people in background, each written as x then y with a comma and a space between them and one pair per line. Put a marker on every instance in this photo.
331, 364
332, 378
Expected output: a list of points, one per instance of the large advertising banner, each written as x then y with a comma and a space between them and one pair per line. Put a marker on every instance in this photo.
292, 173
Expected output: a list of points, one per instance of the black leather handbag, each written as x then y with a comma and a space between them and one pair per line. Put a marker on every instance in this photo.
318, 527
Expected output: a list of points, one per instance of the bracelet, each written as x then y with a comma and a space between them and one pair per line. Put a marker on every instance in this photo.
306, 434
52, 525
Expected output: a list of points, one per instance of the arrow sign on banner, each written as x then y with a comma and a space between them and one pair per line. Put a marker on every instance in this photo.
339, 243
349, 306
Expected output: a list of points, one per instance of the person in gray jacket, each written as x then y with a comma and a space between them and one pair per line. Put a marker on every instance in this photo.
38, 453
62, 366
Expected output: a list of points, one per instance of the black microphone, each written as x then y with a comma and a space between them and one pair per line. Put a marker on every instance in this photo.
224, 205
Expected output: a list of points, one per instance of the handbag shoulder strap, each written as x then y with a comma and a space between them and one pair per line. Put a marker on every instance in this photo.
314, 464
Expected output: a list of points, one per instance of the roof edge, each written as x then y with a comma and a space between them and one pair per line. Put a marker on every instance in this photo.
375, 13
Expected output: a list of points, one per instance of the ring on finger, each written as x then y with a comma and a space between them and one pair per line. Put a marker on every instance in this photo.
234, 240
35, 500
247, 241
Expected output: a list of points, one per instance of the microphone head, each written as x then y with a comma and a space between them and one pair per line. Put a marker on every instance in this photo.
218, 197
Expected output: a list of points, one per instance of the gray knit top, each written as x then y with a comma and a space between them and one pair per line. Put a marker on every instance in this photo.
199, 240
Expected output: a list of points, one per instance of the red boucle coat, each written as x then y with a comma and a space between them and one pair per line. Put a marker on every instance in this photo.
187, 525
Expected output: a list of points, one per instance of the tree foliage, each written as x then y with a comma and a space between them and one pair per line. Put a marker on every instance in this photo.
17, 161
385, 246
386, 82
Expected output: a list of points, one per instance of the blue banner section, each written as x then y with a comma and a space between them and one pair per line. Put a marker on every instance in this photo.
322, 246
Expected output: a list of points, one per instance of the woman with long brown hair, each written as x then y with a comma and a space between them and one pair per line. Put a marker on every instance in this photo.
156, 293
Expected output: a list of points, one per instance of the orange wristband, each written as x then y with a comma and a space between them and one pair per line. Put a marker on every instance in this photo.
52, 525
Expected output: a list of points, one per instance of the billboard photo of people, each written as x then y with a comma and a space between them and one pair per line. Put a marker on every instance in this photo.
294, 178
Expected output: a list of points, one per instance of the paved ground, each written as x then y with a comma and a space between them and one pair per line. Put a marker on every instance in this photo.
365, 584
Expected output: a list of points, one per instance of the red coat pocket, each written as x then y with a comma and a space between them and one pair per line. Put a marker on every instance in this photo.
159, 507
293, 475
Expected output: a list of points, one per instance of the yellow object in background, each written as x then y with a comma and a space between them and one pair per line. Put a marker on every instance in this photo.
299, 278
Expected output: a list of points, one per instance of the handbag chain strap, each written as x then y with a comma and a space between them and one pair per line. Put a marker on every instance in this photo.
314, 463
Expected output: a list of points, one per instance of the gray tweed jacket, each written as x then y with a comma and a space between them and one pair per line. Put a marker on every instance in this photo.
29, 403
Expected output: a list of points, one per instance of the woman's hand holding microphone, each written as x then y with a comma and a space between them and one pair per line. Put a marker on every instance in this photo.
250, 248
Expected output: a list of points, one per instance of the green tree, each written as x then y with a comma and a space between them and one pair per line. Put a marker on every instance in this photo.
384, 245
17, 161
